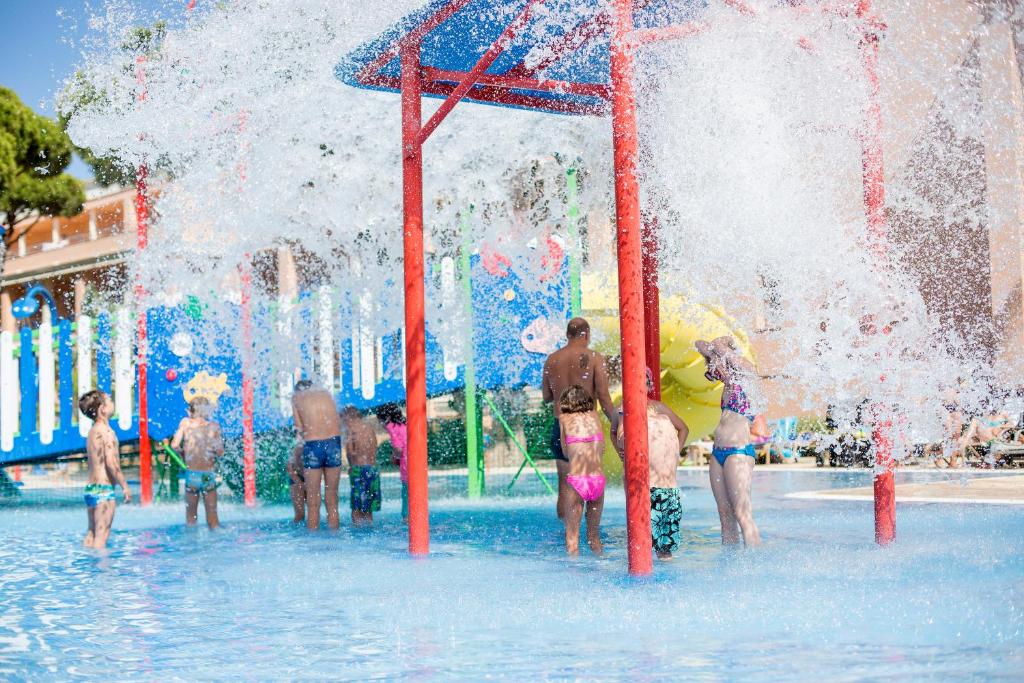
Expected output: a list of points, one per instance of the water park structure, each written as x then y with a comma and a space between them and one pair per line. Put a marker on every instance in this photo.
418, 57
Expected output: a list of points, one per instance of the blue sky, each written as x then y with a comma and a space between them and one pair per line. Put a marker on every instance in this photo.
35, 52
34, 57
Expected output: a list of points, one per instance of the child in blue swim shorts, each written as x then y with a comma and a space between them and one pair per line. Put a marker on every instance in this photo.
363, 476
101, 448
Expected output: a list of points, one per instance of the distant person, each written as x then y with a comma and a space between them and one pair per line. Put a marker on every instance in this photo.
391, 417
319, 426
296, 484
666, 438
582, 437
732, 460
951, 448
202, 443
101, 449
363, 476
574, 364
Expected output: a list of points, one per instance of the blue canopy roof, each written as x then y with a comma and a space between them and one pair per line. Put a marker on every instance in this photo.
559, 62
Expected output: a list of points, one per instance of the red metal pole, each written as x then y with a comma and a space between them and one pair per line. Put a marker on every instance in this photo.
631, 305
248, 433
142, 238
415, 349
874, 204
652, 300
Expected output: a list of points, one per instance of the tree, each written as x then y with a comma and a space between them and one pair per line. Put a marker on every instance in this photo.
80, 93
34, 153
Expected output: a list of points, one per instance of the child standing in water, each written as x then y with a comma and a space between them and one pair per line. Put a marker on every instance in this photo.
732, 463
583, 444
101, 448
664, 442
203, 443
363, 476
666, 437
390, 415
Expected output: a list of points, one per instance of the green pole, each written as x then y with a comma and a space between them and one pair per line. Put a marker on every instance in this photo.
476, 479
573, 220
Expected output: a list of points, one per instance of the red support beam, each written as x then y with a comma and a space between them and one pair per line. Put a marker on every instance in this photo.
142, 240
484, 63
141, 340
631, 313
741, 7
248, 404
652, 302
496, 95
874, 205
504, 81
414, 37
598, 25
645, 36
415, 348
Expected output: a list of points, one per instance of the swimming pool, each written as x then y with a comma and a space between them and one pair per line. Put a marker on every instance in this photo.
262, 599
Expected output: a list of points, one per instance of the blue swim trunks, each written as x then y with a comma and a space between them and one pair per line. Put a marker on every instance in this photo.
722, 454
200, 481
364, 488
317, 455
98, 493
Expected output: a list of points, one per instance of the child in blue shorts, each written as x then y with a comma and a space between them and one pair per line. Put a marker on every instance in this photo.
101, 448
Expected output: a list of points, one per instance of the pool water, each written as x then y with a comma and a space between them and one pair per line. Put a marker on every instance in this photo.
497, 599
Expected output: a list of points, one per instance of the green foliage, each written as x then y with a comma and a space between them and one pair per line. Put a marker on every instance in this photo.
273, 449
537, 428
811, 423
446, 443
34, 153
141, 43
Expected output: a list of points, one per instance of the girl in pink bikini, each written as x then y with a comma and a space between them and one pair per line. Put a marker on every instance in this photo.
583, 445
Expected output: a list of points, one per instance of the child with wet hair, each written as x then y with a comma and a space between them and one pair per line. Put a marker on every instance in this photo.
203, 443
363, 475
391, 417
101, 449
666, 436
583, 444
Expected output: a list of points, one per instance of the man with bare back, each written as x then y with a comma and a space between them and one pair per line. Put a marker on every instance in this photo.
575, 363
101, 449
319, 426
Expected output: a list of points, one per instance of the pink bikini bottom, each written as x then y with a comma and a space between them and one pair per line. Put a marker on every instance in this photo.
589, 486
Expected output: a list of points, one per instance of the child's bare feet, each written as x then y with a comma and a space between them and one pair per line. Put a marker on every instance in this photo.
594, 540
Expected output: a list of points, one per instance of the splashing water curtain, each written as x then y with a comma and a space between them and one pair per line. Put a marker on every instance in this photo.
520, 87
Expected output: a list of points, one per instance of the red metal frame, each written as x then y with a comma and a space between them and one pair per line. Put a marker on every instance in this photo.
637, 247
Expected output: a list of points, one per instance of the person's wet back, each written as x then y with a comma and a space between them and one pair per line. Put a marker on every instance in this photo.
101, 448
574, 364
319, 426
202, 443
364, 478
